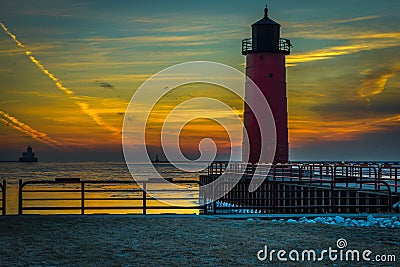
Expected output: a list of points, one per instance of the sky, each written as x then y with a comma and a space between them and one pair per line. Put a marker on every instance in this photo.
68, 70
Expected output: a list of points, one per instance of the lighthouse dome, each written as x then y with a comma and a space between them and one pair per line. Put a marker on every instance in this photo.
266, 20
266, 34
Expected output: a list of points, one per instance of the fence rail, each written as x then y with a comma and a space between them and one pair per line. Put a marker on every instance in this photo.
52, 195
3, 191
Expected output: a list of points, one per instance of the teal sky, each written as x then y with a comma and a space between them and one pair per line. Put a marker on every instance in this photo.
343, 73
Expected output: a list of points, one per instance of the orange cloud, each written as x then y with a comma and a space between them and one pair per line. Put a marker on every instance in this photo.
375, 83
303, 130
28, 130
330, 52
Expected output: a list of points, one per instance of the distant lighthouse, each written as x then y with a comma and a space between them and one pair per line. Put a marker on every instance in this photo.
28, 156
265, 64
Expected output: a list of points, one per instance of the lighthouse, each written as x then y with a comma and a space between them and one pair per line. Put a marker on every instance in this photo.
265, 65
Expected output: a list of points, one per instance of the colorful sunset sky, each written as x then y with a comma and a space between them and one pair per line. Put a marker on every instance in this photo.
68, 70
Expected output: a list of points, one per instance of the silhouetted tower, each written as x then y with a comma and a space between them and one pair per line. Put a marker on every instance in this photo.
265, 65
28, 156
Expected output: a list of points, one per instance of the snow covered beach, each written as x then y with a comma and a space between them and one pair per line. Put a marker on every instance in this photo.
128, 240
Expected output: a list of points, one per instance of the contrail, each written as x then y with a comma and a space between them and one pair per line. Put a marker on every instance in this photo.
9, 120
37, 62
83, 106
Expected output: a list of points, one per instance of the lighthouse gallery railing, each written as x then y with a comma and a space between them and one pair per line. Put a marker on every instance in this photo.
247, 46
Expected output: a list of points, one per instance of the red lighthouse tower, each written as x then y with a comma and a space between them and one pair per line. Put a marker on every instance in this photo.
265, 66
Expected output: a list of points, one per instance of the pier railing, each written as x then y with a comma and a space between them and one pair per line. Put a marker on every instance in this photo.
3, 186
75, 196
305, 196
307, 187
341, 174
390, 173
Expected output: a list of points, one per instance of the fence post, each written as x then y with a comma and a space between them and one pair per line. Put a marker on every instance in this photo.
215, 206
205, 209
301, 172
82, 197
332, 200
144, 198
379, 178
4, 201
202, 196
20, 197
389, 198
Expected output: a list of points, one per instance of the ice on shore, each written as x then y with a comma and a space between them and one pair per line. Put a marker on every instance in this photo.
232, 208
371, 221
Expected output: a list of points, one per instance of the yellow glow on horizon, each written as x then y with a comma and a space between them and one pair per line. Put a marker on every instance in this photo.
196, 121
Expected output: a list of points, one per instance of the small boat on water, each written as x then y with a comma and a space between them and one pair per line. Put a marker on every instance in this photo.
28, 156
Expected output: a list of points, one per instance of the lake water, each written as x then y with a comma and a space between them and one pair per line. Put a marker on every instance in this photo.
91, 171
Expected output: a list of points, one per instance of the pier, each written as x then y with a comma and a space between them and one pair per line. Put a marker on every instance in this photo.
308, 187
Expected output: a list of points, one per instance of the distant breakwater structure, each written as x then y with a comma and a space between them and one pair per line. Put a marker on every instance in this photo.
28, 156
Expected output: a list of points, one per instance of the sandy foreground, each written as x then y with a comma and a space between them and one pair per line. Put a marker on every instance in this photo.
126, 240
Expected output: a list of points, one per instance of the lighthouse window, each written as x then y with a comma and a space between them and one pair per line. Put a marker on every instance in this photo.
271, 75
